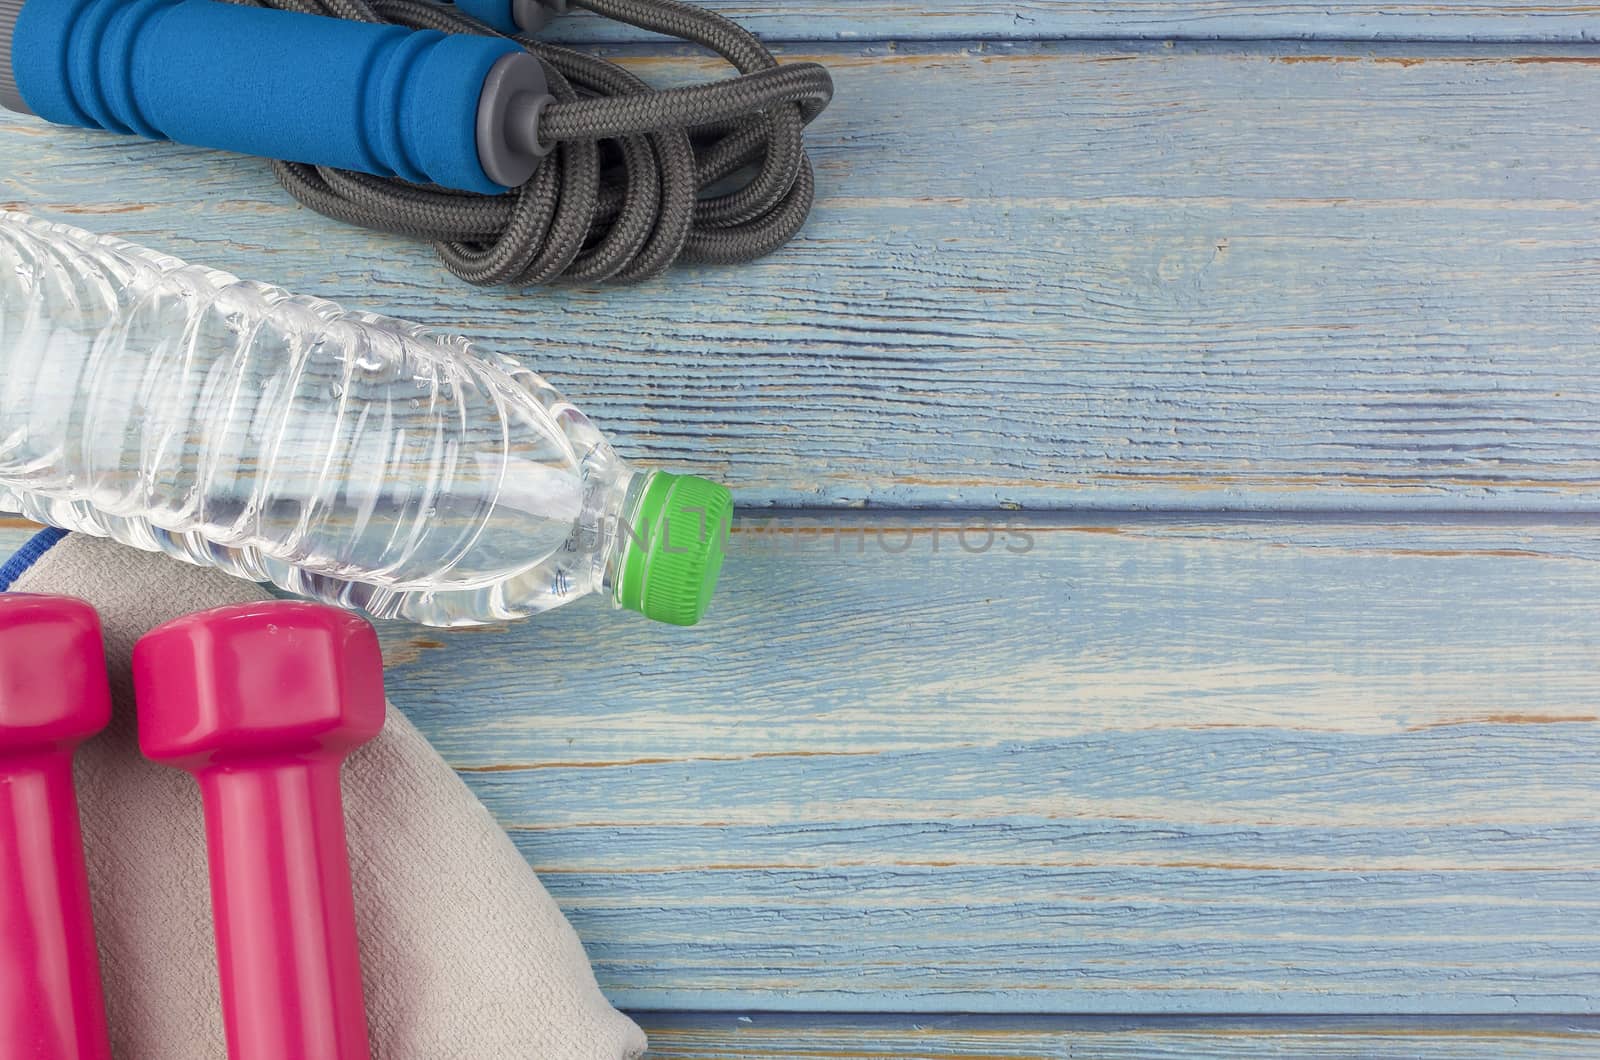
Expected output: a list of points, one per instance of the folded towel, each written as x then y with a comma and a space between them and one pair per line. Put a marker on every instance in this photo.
465, 955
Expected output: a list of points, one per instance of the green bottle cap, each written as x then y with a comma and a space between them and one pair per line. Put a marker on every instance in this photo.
674, 551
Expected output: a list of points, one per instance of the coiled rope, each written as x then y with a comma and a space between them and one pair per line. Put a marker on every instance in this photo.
639, 178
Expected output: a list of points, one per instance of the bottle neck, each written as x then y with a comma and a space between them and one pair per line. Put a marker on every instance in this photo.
618, 525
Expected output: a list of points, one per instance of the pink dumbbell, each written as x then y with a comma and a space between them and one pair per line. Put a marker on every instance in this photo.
262, 702
53, 695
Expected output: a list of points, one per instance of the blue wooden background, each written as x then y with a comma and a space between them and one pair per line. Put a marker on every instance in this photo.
1168, 568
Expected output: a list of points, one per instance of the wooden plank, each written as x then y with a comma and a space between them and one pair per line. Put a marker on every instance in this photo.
885, 20
13, 534
1172, 278
715, 1036
1101, 625
1140, 766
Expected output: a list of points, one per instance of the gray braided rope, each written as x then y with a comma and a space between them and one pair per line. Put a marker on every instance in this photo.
627, 190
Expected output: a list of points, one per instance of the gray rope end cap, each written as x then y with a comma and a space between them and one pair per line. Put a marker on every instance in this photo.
531, 15
514, 95
10, 98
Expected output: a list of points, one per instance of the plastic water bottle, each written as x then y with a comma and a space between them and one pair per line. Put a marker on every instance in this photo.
343, 456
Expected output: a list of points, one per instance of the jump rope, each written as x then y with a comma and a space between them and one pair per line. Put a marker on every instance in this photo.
524, 163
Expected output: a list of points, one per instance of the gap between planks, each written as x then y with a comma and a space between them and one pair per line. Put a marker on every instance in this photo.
890, 1036
861, 20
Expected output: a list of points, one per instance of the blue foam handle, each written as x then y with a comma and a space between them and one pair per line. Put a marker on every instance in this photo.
380, 99
498, 14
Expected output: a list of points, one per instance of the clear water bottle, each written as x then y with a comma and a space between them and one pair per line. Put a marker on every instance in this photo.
346, 457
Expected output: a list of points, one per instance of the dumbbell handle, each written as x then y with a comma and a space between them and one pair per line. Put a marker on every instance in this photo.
50, 988
285, 919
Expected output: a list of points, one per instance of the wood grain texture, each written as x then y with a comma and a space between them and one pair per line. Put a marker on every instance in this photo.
1171, 278
1103, 762
14, 533
703, 1036
1102, 625
1143, 767
883, 20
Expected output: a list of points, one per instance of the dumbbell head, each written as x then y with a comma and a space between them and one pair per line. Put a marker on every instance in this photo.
258, 681
53, 690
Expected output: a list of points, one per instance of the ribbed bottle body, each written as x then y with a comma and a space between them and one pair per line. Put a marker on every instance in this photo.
341, 455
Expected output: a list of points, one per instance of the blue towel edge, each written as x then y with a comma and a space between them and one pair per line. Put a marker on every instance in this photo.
28, 555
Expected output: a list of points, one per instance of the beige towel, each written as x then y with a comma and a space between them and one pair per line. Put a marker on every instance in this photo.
465, 955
